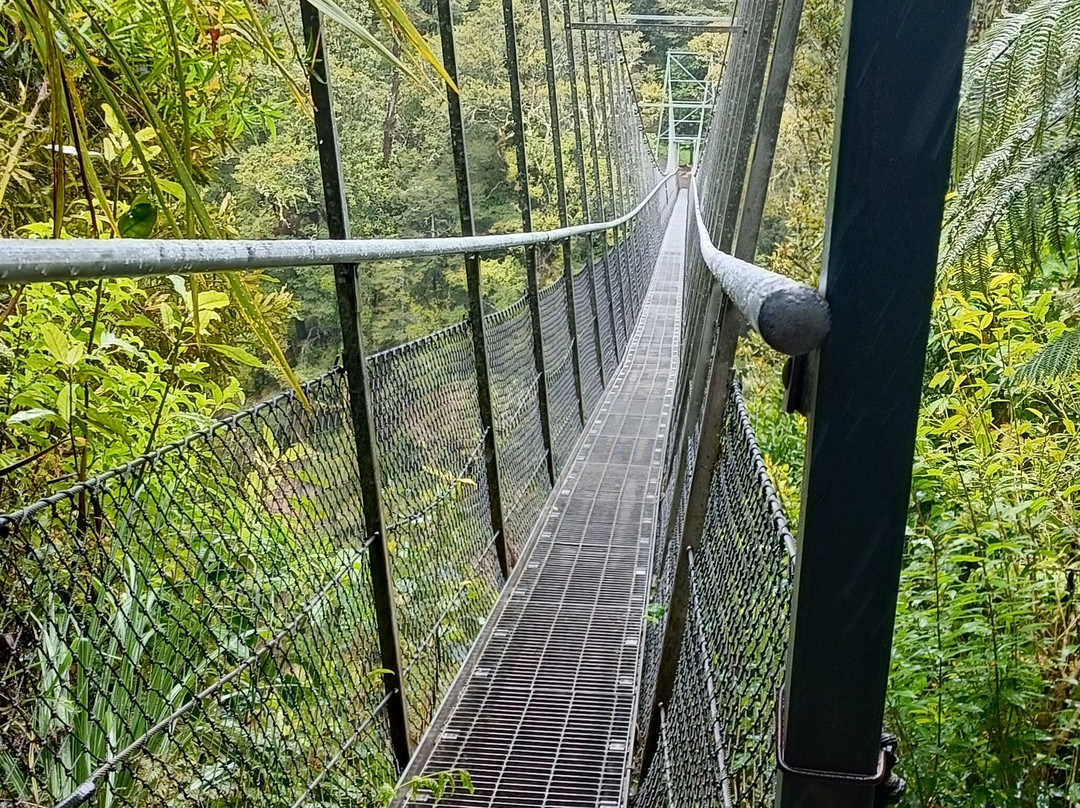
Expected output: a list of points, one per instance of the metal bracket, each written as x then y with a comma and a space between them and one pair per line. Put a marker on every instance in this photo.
795, 374
875, 779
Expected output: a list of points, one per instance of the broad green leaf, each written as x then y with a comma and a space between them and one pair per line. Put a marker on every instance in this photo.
213, 300
139, 321
237, 355
75, 354
110, 340
29, 415
56, 342
139, 220
109, 422
65, 404
174, 189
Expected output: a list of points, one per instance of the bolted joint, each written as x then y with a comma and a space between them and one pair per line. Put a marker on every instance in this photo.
892, 789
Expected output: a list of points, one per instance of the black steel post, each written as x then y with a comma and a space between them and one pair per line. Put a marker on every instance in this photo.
579, 164
556, 148
899, 88
472, 280
594, 140
633, 138
346, 280
615, 206
615, 176
618, 149
747, 125
772, 109
532, 282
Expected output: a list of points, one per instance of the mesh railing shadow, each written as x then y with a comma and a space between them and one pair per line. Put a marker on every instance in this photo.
717, 734
197, 628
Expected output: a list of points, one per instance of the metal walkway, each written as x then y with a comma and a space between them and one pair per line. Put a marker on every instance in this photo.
542, 712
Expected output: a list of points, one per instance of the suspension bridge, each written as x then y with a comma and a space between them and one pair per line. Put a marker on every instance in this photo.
533, 559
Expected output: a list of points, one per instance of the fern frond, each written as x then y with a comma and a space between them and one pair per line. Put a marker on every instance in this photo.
995, 203
1058, 358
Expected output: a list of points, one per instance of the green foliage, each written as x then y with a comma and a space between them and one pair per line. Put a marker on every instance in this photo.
98, 372
794, 222
983, 690
1016, 147
983, 686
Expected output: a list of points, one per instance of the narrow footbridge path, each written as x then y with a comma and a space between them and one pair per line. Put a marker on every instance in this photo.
544, 707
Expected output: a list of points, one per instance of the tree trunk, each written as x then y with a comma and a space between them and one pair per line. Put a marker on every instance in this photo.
392, 100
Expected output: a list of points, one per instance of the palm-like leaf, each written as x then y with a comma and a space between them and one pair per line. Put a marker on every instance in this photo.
1017, 148
1058, 358
1016, 145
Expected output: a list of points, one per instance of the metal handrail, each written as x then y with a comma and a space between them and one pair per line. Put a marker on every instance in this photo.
36, 260
791, 317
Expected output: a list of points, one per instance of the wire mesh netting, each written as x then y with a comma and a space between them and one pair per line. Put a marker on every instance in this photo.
588, 345
559, 366
720, 723
604, 313
446, 577
198, 627
515, 400
615, 270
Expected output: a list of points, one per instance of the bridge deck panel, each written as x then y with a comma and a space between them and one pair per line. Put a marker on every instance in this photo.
542, 712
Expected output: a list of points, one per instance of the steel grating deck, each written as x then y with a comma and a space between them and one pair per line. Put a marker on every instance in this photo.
542, 713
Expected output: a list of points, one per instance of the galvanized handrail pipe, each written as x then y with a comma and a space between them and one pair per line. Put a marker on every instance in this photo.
37, 260
791, 317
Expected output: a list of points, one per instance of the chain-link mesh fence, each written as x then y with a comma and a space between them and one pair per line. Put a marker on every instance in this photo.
559, 366
515, 400
605, 314
198, 627
588, 345
424, 403
719, 727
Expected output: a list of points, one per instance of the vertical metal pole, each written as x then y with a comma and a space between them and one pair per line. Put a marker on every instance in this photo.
673, 146
747, 126
594, 154
615, 167
556, 147
891, 161
636, 138
532, 290
605, 122
472, 280
772, 109
579, 164
625, 170
346, 280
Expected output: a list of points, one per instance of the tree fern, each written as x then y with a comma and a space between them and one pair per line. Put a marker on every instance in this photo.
1017, 140
1015, 178
1058, 358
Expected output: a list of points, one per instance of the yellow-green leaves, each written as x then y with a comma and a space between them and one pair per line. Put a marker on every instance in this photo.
60, 347
237, 355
